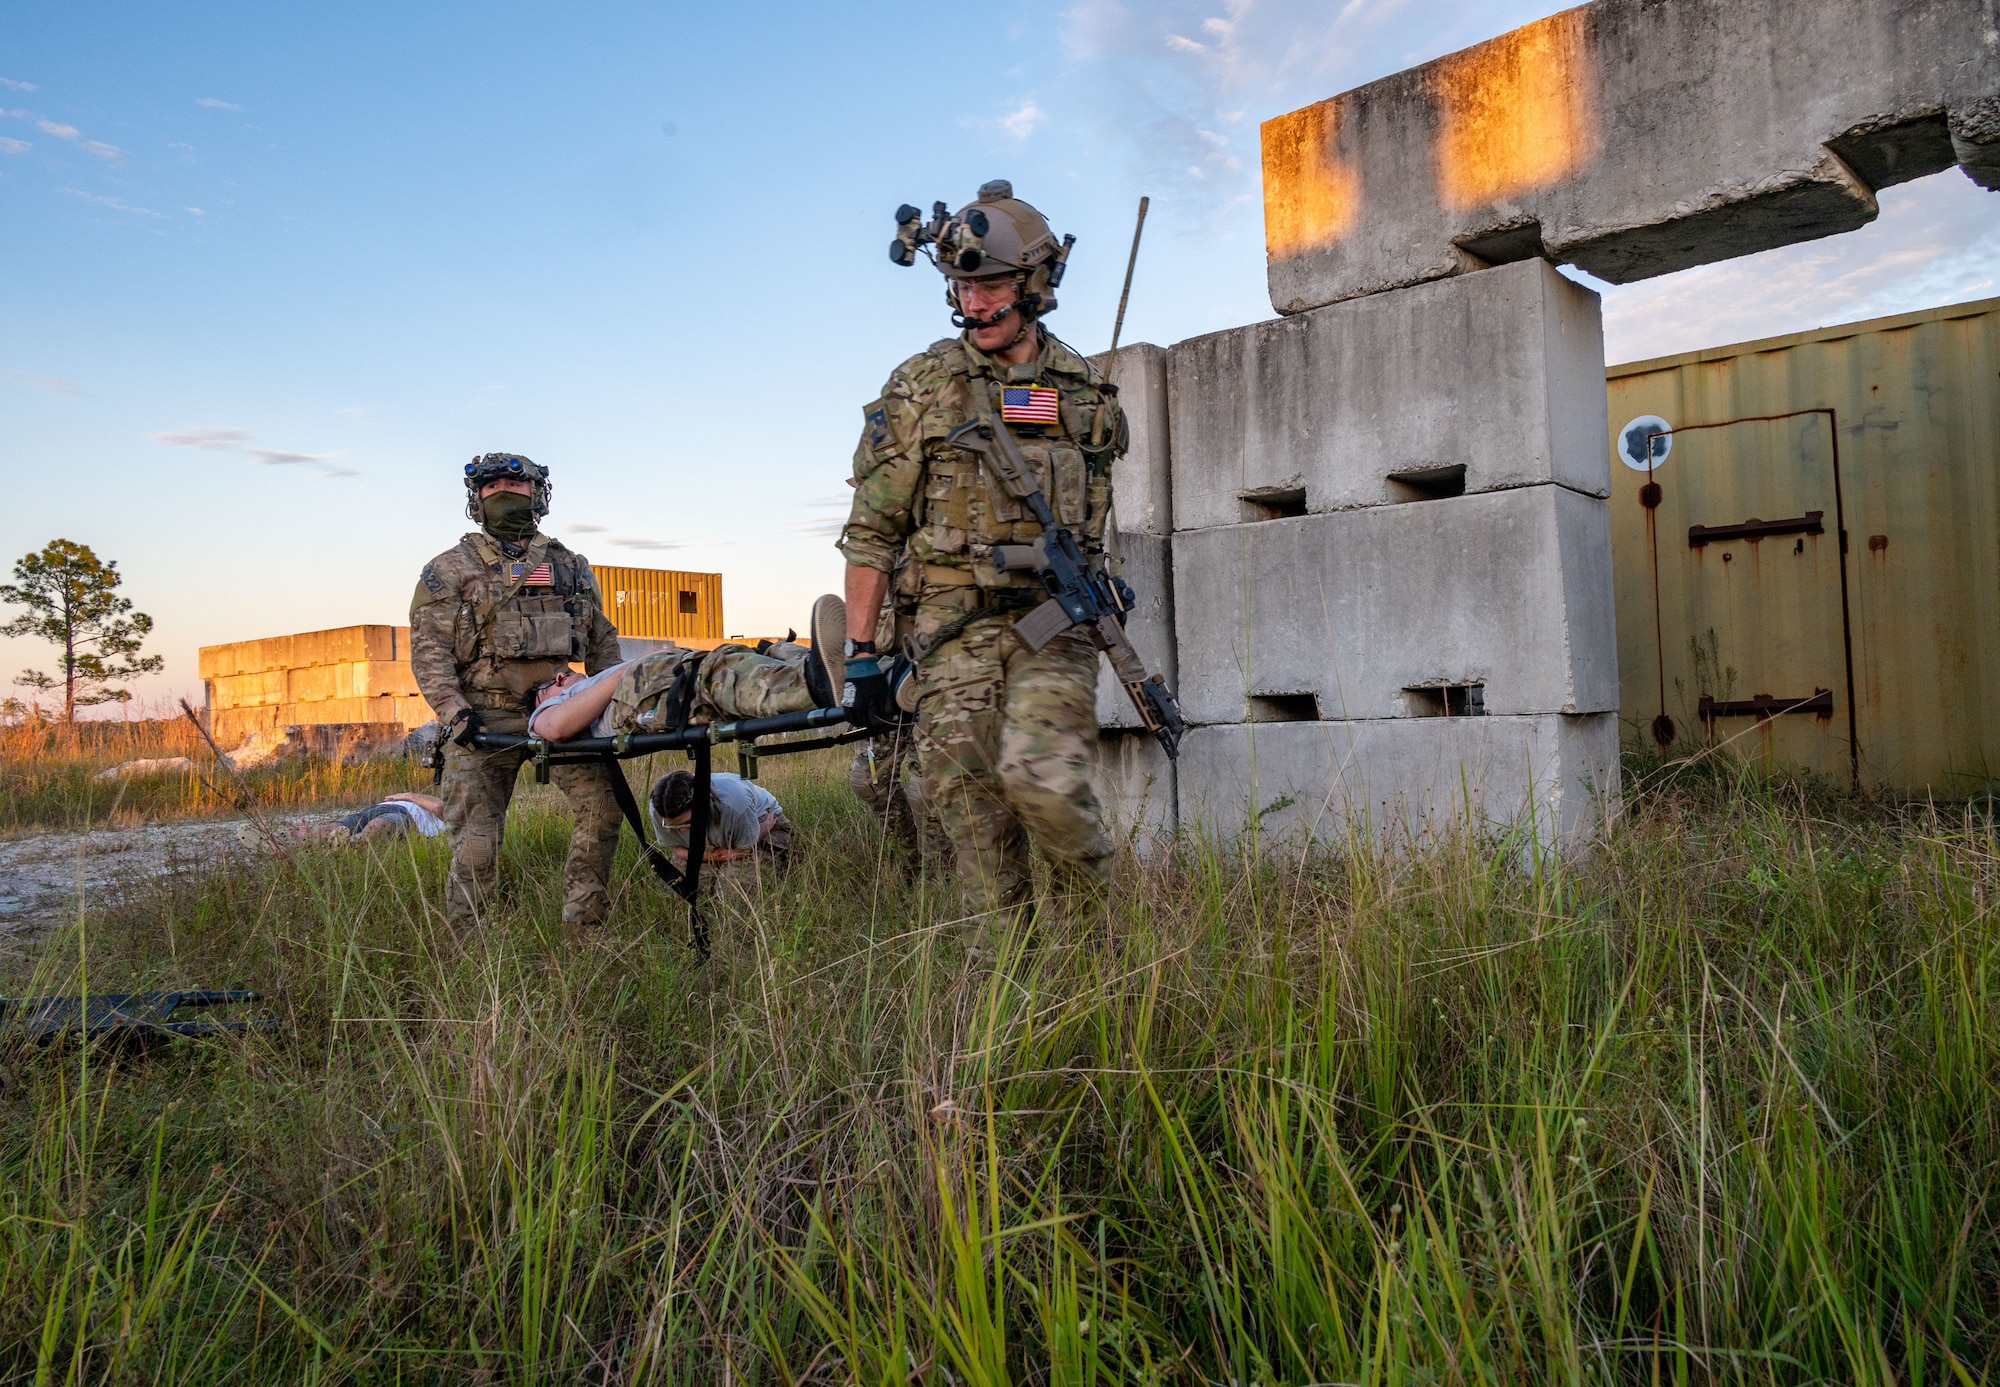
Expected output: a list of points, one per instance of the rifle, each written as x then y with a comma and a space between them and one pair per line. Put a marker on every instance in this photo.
1077, 594
127, 1015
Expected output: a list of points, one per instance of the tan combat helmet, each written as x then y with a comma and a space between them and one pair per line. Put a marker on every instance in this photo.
995, 234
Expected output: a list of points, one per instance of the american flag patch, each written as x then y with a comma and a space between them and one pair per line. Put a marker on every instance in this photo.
1028, 404
538, 578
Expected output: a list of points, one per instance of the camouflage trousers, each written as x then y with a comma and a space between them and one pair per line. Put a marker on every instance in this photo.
734, 681
478, 786
885, 777
1005, 735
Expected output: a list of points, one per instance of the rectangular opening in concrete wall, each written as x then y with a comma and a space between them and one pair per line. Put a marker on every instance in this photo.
1520, 239
1273, 502
1427, 483
1285, 707
1446, 701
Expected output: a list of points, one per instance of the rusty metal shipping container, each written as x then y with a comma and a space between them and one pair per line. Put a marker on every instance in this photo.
661, 604
1806, 539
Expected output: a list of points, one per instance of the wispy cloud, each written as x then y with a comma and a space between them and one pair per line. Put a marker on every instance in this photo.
585, 529
10, 145
216, 103
204, 438
72, 134
1020, 122
115, 205
239, 441
1177, 87
278, 457
55, 385
1935, 242
646, 543
18, 86
177, 144
828, 518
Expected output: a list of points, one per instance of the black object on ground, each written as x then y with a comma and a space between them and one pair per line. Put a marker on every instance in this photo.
136, 1014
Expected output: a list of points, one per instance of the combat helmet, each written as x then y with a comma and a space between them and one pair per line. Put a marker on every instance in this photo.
488, 468
993, 235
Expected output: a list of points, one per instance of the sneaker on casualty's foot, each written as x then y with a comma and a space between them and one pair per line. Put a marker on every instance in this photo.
826, 671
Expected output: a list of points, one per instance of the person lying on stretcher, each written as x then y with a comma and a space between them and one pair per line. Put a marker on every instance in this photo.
673, 687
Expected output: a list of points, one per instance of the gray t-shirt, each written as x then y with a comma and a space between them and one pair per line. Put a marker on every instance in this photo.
600, 728
737, 807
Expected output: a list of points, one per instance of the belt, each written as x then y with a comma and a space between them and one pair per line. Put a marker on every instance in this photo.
971, 599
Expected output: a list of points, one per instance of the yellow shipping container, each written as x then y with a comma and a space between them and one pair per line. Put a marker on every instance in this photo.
1807, 572
662, 604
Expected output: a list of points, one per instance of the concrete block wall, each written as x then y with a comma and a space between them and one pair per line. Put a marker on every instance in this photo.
1491, 381
1399, 780
1391, 563
1351, 612
1135, 776
347, 675
1631, 138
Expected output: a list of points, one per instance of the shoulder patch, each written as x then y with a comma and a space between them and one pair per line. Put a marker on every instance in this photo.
431, 581
875, 420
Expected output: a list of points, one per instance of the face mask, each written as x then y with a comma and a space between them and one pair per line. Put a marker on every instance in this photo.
508, 515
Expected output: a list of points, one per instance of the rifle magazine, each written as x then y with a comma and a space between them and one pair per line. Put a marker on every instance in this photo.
1043, 624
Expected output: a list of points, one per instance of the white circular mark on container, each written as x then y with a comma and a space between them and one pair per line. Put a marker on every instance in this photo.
1633, 438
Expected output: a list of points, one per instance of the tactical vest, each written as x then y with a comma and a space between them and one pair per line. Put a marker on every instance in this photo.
510, 635
962, 512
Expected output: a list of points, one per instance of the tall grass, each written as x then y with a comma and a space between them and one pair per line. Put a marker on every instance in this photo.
48, 776
1714, 1106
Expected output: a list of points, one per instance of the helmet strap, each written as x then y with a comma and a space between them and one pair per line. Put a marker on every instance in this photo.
1022, 308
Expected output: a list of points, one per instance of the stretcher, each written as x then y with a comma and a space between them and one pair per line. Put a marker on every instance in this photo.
698, 741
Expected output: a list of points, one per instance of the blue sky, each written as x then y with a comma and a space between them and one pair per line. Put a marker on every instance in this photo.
274, 272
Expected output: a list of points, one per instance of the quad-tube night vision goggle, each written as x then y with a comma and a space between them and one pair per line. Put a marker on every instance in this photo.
489, 468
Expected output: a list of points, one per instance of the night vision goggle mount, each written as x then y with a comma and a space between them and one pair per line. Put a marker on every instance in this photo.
959, 245
489, 468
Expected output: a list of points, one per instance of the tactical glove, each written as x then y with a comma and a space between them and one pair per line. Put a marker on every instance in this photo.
467, 723
866, 696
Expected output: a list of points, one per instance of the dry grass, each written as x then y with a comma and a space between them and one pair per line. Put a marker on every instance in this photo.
1716, 1106
48, 777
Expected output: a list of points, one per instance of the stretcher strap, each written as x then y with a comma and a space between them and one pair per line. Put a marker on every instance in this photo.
685, 884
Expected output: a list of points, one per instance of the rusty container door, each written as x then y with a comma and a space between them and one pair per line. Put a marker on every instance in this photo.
1916, 403
1751, 590
1743, 638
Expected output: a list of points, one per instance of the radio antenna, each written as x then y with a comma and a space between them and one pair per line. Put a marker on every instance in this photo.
1126, 292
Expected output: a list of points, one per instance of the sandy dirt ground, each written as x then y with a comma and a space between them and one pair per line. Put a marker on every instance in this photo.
41, 874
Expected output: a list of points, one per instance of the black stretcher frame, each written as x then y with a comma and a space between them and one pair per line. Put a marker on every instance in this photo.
697, 741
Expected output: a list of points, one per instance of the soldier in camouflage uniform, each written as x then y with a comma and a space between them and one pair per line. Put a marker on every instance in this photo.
1005, 734
492, 617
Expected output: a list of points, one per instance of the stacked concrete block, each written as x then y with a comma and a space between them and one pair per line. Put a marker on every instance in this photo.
1395, 782
1136, 776
1392, 564
1631, 138
1479, 384
348, 676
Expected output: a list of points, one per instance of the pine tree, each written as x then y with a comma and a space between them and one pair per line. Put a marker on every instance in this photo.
72, 601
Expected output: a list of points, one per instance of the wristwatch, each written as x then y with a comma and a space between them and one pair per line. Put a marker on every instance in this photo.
855, 647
